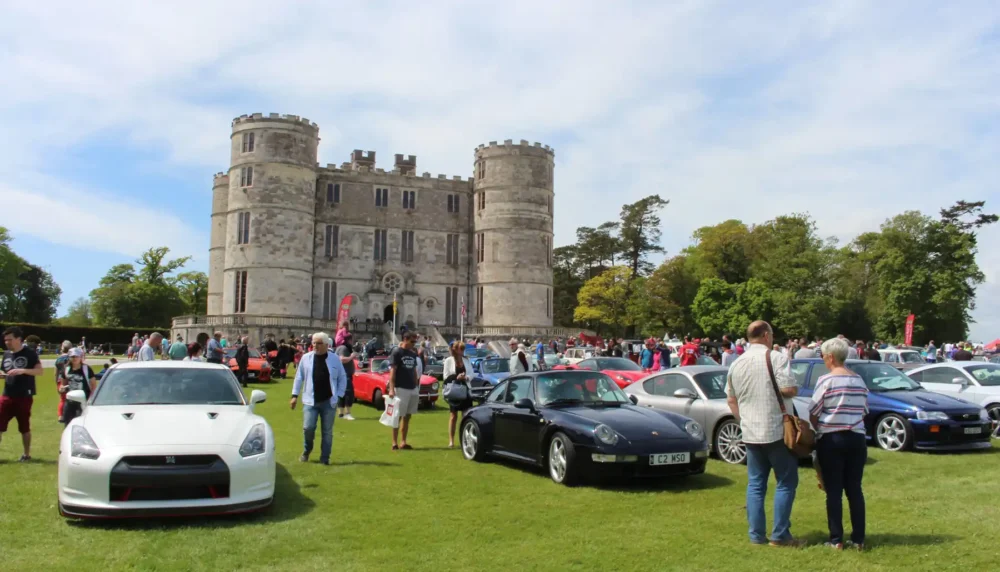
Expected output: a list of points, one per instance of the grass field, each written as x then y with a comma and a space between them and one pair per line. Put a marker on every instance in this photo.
429, 509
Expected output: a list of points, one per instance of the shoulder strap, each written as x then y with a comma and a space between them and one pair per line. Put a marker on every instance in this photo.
774, 383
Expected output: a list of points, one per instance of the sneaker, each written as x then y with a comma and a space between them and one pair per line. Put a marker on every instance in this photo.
349, 417
326, 462
24, 459
834, 545
853, 546
304, 458
340, 415
788, 543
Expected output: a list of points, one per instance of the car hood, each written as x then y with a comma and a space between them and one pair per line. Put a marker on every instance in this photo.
920, 399
168, 425
629, 375
633, 423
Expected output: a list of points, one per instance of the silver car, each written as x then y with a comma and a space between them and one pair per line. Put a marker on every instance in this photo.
699, 392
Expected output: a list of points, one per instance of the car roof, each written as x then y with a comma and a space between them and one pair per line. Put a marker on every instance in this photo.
820, 360
170, 364
693, 369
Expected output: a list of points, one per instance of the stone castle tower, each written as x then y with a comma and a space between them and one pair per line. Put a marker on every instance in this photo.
290, 238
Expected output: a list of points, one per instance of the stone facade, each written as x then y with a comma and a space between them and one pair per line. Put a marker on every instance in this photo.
290, 239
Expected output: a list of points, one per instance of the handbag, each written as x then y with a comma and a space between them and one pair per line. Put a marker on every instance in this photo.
455, 391
799, 436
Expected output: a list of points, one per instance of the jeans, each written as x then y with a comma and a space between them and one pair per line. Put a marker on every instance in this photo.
326, 413
842, 457
761, 459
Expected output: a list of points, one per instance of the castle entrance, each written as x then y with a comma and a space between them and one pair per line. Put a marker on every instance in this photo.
387, 314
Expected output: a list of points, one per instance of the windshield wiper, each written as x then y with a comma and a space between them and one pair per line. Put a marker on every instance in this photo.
564, 401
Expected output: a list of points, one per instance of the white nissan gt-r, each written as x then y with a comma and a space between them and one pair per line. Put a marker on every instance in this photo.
166, 438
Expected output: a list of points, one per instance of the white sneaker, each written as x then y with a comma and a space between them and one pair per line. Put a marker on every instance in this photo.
349, 417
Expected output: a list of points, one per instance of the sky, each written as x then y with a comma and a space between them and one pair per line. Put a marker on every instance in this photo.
117, 114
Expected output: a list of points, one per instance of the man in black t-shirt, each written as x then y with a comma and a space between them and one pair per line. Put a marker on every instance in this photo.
20, 368
404, 384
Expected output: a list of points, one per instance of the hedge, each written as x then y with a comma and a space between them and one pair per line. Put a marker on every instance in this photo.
53, 334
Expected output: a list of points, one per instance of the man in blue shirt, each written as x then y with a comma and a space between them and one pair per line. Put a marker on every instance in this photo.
321, 380
540, 354
646, 357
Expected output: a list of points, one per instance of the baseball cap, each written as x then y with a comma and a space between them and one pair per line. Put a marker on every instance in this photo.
75, 352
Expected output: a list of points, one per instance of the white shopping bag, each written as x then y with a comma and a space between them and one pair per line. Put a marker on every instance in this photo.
390, 418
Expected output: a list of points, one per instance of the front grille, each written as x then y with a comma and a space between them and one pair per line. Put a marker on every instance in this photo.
965, 417
170, 460
125, 494
169, 477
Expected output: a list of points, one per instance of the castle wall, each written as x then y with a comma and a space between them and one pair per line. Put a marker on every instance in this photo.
217, 243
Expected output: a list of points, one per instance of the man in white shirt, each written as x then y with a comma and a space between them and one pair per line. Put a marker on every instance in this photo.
753, 401
149, 349
518, 357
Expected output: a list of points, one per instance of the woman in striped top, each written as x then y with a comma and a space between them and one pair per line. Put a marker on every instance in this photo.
839, 406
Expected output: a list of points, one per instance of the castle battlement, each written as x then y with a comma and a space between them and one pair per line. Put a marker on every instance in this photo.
219, 176
274, 118
402, 176
509, 145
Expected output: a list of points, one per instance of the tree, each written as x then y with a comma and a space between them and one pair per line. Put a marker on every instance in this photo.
147, 297
193, 289
153, 269
37, 295
664, 299
78, 314
604, 298
722, 251
566, 283
640, 232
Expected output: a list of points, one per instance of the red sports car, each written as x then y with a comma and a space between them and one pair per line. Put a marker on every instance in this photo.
258, 369
622, 370
370, 384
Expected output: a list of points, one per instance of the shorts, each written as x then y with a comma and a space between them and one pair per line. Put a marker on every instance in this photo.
409, 400
16, 408
460, 406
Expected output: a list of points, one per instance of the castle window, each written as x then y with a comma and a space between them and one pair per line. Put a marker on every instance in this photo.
381, 197
482, 200
548, 251
409, 199
479, 301
548, 302
452, 250
482, 169
246, 176
332, 242
406, 248
451, 313
333, 193
248, 142
240, 292
480, 247
550, 204
453, 202
243, 228
380, 244
329, 300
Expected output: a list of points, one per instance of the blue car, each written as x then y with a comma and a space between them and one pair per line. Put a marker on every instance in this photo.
492, 369
901, 414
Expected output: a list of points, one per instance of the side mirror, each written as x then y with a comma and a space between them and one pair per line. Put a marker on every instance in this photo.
78, 396
633, 399
524, 403
685, 393
960, 381
257, 396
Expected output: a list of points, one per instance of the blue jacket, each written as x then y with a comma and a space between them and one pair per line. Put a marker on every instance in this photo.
303, 376
646, 357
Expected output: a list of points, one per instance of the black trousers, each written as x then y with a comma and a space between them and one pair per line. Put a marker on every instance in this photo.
242, 374
348, 399
842, 457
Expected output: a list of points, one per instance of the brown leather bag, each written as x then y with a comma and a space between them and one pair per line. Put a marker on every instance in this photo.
799, 436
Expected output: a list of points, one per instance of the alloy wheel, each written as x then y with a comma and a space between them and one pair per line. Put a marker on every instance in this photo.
891, 434
557, 460
470, 441
729, 444
994, 413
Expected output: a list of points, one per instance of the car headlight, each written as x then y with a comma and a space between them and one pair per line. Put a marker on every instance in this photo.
605, 434
435, 386
264, 366
932, 415
255, 443
984, 416
81, 445
694, 429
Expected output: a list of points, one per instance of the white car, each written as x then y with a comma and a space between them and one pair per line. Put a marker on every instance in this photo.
575, 355
973, 381
166, 438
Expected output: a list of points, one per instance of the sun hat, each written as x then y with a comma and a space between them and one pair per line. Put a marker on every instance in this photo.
76, 352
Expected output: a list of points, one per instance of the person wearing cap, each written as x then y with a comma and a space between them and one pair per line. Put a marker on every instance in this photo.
518, 357
646, 358
178, 350
76, 375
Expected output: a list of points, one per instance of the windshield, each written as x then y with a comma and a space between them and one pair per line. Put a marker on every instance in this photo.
477, 353
705, 360
168, 386
578, 387
231, 353
910, 357
883, 377
987, 374
495, 366
617, 364
712, 383
381, 365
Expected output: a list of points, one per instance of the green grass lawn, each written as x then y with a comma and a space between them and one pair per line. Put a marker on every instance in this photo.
429, 509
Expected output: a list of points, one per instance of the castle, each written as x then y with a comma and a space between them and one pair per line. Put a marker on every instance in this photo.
290, 239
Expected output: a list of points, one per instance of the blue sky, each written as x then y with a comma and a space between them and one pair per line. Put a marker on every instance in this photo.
116, 114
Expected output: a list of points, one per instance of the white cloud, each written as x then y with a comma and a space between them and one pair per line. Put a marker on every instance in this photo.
852, 111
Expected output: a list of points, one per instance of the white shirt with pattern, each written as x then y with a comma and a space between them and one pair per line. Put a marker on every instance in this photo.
749, 382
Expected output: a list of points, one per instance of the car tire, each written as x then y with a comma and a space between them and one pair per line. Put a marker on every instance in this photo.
377, 400
561, 460
728, 443
893, 433
470, 436
994, 412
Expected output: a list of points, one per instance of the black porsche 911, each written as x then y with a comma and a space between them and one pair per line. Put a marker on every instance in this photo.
580, 425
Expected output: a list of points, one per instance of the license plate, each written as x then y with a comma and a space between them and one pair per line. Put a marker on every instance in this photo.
973, 430
669, 458
251, 374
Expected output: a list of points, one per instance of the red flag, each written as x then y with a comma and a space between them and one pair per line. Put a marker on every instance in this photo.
909, 329
344, 313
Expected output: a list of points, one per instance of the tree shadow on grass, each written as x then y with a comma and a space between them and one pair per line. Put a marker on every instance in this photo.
289, 503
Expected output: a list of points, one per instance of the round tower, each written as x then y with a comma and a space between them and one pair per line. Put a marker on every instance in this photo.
217, 242
512, 242
271, 216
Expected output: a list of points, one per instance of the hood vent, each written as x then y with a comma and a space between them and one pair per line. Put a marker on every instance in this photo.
128, 416
213, 415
